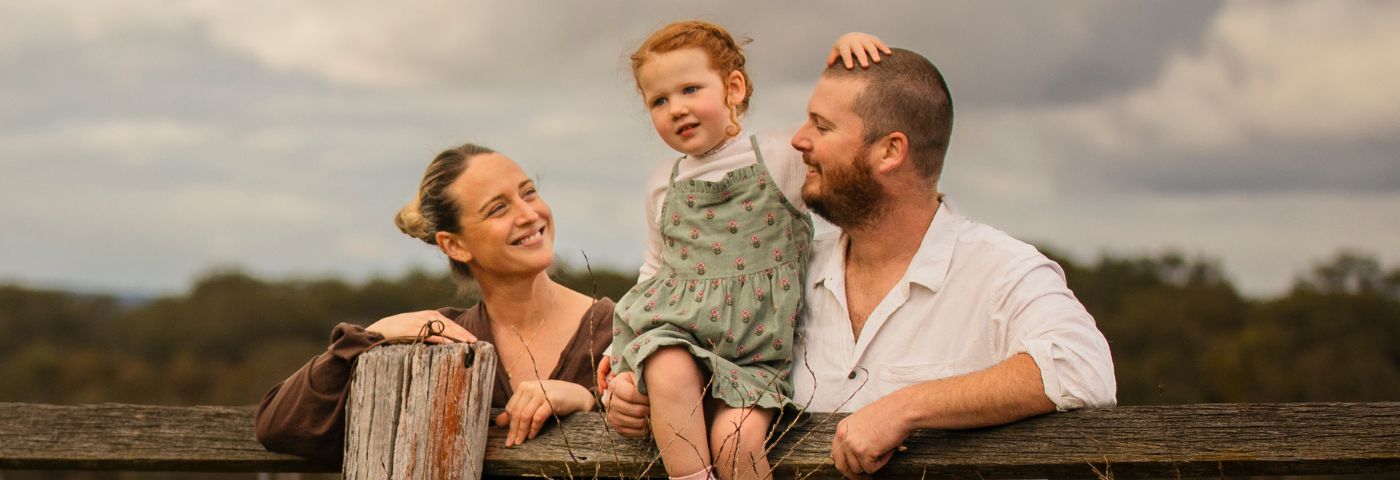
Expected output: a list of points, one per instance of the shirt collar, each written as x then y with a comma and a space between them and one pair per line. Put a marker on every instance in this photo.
830, 269
930, 264
724, 146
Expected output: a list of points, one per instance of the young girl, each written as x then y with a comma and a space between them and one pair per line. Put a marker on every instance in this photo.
721, 286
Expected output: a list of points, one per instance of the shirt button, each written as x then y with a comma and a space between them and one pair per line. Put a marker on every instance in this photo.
852, 376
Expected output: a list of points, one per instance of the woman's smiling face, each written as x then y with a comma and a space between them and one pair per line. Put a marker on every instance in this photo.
507, 229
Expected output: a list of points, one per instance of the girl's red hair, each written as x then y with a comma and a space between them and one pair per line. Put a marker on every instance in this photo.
724, 52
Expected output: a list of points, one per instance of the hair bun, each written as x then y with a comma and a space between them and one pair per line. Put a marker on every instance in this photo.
411, 221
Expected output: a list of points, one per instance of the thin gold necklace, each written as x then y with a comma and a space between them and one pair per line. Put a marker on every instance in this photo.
539, 326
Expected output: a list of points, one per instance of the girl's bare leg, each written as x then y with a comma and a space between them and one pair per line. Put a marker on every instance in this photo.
736, 438
675, 384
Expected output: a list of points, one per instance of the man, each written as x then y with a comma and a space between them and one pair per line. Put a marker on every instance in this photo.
915, 316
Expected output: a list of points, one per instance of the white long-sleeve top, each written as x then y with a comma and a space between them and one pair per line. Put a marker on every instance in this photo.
784, 164
971, 297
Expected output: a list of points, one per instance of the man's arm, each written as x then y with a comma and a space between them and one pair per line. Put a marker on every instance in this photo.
1058, 360
1003, 393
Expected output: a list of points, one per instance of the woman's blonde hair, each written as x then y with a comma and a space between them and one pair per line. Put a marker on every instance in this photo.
434, 209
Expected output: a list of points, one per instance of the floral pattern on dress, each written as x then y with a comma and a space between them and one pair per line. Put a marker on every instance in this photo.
741, 242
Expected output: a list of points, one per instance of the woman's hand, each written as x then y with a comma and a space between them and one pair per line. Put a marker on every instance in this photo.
412, 324
862, 47
536, 401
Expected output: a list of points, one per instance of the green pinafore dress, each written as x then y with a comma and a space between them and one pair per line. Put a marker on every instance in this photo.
729, 288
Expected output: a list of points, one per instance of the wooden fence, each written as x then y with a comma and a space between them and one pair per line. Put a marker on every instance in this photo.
1209, 440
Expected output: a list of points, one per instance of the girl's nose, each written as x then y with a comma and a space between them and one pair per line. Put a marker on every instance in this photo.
678, 109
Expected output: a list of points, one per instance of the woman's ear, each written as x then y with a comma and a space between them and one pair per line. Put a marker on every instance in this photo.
452, 246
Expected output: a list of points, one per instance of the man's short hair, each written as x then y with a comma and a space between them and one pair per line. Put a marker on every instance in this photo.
905, 93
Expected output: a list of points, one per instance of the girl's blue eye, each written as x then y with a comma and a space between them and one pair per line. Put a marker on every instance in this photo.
689, 90
658, 102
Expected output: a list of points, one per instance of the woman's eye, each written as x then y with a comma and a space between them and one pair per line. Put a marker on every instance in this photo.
529, 193
496, 209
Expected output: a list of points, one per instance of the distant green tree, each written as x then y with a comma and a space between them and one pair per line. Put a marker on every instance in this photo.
1168, 320
1334, 337
598, 283
1179, 332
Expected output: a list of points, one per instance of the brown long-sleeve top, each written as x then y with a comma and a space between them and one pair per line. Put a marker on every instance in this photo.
305, 414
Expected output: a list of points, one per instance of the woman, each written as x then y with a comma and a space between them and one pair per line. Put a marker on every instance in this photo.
485, 214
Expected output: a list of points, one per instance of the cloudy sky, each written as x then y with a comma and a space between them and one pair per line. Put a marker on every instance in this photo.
145, 142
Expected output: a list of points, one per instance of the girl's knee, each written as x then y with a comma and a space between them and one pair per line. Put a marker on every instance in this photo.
669, 361
671, 367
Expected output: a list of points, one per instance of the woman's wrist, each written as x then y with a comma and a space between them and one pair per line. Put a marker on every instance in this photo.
576, 397
590, 402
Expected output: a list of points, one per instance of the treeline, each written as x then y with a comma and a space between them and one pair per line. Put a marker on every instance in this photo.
1179, 330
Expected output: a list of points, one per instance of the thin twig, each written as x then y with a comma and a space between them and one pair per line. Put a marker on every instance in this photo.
539, 378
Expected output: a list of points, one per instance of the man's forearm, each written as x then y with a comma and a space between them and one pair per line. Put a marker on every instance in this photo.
1003, 393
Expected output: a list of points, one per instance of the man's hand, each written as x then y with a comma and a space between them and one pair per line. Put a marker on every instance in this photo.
628, 409
866, 439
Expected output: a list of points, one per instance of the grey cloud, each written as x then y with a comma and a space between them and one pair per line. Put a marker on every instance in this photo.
994, 54
1263, 165
139, 73
291, 167
1016, 52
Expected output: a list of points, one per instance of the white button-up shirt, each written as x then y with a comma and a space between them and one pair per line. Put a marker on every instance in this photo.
971, 298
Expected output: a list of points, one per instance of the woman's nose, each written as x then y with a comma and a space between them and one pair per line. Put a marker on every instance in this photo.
528, 214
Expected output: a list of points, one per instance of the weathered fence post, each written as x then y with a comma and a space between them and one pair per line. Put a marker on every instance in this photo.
419, 411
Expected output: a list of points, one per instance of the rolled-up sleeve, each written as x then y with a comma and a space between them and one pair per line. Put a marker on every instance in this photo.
1047, 322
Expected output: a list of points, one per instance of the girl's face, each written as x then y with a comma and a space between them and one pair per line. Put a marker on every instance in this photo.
507, 229
689, 102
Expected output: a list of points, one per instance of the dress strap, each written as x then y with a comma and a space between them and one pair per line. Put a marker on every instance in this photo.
676, 168
756, 152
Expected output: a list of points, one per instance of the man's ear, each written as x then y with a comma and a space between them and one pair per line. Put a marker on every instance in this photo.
890, 152
452, 246
736, 86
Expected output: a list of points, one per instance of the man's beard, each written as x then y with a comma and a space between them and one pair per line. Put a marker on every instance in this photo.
850, 197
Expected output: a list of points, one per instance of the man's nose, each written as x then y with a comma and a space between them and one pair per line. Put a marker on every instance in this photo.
800, 141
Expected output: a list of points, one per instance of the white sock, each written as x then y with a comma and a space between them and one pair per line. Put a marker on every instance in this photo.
703, 474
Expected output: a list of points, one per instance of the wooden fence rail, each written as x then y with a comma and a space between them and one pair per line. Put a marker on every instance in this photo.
1212, 440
